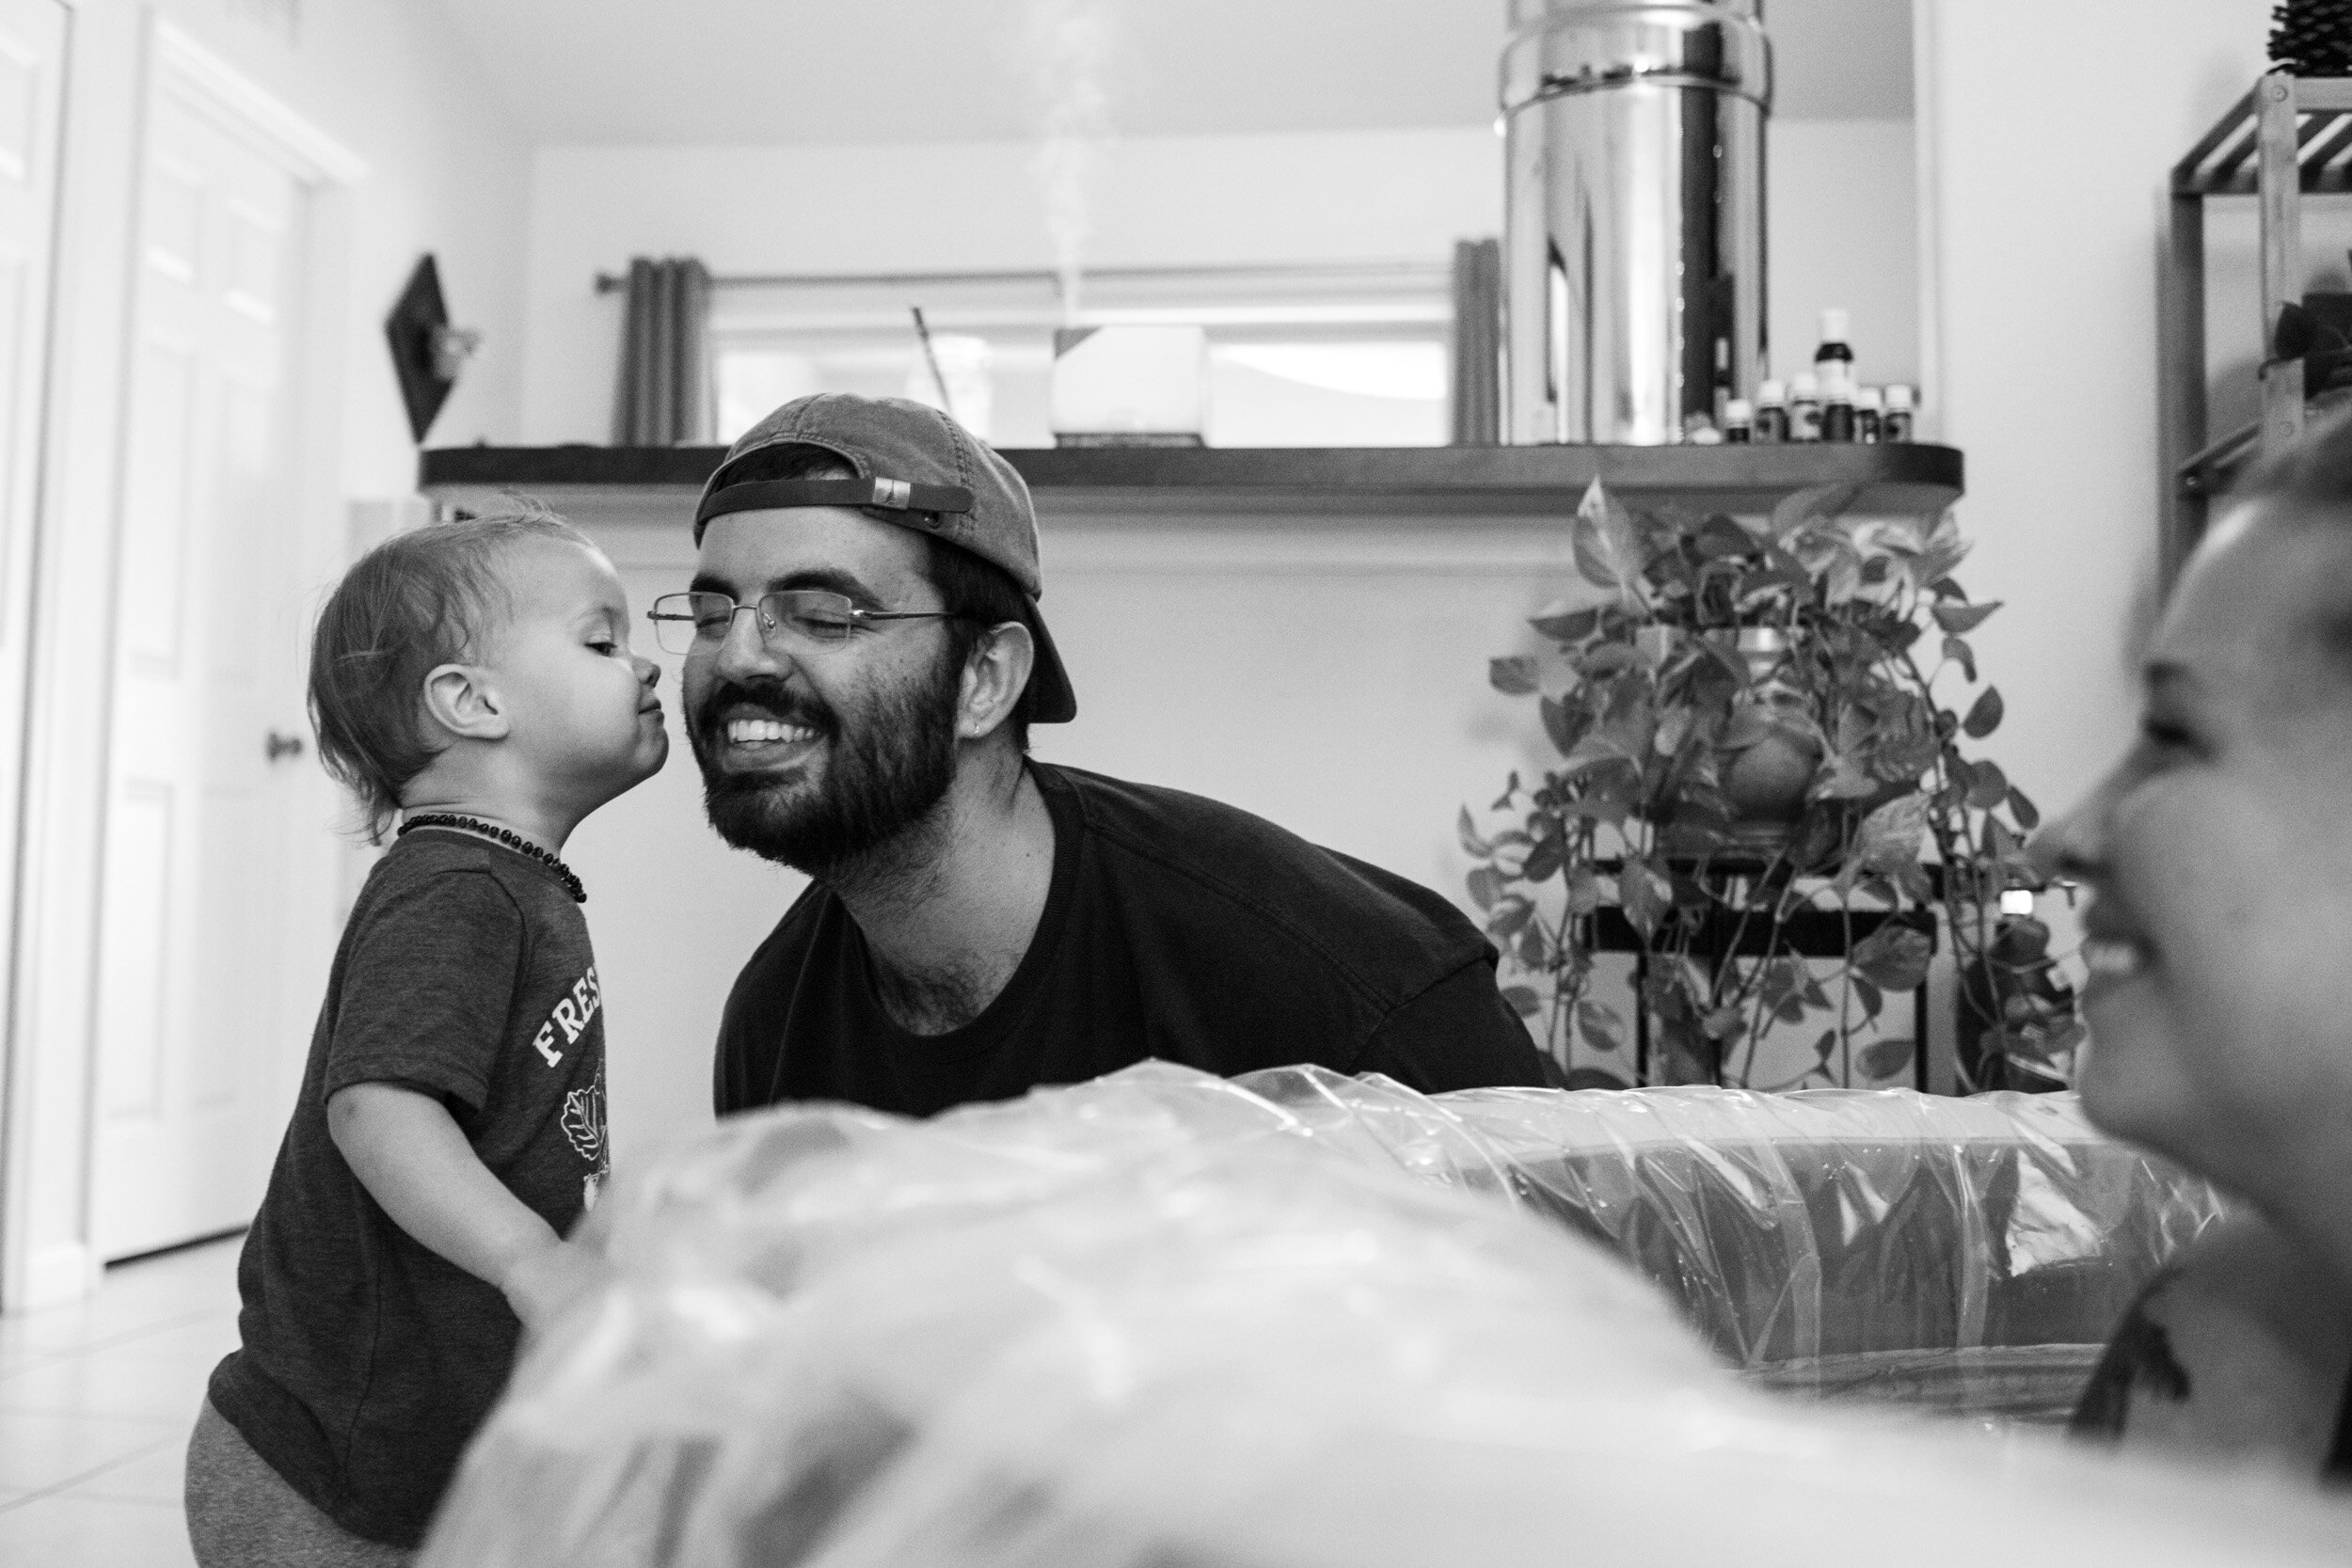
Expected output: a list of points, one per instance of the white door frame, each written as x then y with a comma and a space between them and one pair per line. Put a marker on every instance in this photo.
48, 1137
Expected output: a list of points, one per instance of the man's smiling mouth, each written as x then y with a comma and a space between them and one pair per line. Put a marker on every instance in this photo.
754, 731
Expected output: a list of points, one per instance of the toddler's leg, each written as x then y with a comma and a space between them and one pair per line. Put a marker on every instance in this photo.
242, 1515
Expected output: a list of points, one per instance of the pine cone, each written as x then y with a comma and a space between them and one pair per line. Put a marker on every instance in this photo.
2312, 38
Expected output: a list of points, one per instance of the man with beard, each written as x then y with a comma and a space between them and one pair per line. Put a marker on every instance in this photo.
864, 659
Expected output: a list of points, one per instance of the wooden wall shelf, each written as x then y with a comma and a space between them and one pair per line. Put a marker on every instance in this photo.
1421, 482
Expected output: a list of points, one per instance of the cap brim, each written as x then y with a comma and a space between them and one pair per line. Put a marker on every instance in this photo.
1051, 700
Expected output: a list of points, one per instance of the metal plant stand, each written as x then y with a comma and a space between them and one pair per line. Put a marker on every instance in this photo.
1735, 928
2288, 137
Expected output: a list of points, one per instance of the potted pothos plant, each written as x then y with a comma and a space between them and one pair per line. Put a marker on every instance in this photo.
1758, 725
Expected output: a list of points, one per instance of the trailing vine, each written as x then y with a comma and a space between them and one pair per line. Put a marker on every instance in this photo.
1806, 658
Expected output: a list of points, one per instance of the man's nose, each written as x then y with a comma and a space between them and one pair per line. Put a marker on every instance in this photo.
744, 649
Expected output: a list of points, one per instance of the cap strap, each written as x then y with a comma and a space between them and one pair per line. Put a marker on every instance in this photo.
895, 494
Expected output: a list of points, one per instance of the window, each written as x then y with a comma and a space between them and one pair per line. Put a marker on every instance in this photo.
1298, 356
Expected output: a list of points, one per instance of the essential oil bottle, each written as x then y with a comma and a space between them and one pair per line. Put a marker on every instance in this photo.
1804, 407
1772, 414
1869, 407
1834, 349
1897, 424
1739, 422
1837, 413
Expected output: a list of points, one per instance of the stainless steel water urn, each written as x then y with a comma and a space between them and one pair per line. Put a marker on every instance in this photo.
1633, 247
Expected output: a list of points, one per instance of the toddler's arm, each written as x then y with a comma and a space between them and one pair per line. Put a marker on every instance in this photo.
411, 1156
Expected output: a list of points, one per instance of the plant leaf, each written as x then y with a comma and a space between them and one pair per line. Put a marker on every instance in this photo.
1720, 539
1544, 861
1510, 915
1567, 626
1891, 835
1961, 619
1872, 998
1523, 999
1984, 716
1671, 728
1486, 886
1608, 546
2028, 815
1602, 1029
1641, 897
1805, 506
1962, 655
1472, 845
1583, 890
1840, 779
1514, 676
1893, 957
1884, 1058
1565, 725
1988, 787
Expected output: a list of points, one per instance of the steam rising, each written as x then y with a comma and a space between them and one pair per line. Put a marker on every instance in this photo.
1069, 47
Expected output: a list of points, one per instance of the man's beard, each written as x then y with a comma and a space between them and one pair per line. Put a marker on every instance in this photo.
884, 770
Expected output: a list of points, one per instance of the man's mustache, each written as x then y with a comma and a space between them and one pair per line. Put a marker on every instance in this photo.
777, 699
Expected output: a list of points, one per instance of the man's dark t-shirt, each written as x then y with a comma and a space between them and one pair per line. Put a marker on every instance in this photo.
368, 1361
1177, 928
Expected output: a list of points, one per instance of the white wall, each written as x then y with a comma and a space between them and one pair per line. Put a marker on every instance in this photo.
1841, 215
1841, 194
2043, 207
447, 173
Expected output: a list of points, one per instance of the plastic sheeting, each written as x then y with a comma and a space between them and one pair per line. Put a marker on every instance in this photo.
1162, 1321
1840, 1241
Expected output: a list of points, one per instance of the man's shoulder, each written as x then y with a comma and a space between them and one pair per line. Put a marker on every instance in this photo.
792, 934
1380, 927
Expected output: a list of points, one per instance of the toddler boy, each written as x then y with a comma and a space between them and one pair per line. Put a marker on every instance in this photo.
474, 681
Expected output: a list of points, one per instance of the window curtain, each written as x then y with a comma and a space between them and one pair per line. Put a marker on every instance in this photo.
665, 395
1477, 342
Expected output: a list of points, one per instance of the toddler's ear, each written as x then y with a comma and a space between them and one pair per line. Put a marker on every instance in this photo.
459, 700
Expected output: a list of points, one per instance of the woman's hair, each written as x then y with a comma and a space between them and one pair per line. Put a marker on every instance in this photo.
418, 601
978, 594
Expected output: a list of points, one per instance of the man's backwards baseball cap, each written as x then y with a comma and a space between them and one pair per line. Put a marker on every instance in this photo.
918, 468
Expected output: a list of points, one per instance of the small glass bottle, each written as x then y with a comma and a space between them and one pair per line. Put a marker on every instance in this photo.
1721, 402
1836, 406
1772, 414
1869, 405
1834, 351
1896, 425
1804, 407
1739, 422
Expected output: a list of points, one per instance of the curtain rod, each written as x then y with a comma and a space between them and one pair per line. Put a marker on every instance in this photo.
609, 283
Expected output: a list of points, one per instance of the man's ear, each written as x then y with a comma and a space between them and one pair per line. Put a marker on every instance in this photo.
994, 679
459, 699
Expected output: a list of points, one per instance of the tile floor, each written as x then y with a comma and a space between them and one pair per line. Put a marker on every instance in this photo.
96, 1401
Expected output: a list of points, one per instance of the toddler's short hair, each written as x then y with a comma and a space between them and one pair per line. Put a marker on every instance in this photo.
418, 600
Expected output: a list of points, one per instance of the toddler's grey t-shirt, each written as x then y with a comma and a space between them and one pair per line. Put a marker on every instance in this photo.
368, 1361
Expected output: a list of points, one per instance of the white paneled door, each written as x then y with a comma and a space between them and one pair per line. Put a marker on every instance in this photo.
206, 715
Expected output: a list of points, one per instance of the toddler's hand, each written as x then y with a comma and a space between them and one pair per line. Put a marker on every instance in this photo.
545, 1281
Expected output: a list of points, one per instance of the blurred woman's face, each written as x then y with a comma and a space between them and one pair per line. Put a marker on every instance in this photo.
2218, 853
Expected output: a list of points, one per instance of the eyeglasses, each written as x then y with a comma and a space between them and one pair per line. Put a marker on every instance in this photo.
683, 622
